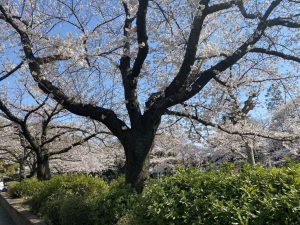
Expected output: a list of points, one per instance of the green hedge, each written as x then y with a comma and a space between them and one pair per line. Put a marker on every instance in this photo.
253, 195
229, 195
26, 189
119, 201
63, 200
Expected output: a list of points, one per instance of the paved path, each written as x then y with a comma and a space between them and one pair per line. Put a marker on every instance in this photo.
4, 217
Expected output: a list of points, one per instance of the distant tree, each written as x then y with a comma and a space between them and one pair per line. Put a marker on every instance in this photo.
286, 118
172, 147
14, 149
41, 132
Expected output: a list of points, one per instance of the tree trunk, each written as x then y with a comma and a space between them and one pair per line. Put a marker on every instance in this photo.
250, 155
33, 169
137, 151
21, 170
43, 169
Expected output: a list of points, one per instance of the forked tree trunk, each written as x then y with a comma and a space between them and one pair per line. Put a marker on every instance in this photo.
137, 151
43, 168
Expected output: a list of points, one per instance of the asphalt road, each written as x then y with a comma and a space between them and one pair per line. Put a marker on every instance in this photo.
4, 217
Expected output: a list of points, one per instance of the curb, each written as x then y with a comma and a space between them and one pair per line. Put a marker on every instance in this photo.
19, 214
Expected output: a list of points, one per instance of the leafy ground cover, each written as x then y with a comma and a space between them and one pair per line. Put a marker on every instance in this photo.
228, 195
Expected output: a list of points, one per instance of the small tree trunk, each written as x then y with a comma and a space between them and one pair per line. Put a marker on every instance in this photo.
250, 155
22, 170
137, 153
43, 169
32, 172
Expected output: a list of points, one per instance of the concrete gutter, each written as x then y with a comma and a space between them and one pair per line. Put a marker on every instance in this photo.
19, 213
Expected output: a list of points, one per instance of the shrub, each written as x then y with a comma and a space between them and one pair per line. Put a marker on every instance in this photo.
252, 196
63, 200
57, 199
25, 188
10, 186
60, 187
77, 210
118, 202
229, 195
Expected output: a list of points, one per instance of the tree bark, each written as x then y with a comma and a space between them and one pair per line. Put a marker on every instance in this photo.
43, 168
250, 155
137, 152
33, 169
21, 170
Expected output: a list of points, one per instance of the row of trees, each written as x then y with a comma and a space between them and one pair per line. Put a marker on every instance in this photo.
33, 135
131, 67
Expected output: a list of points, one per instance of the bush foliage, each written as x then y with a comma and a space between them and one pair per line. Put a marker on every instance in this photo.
228, 195
119, 201
255, 196
63, 200
27, 188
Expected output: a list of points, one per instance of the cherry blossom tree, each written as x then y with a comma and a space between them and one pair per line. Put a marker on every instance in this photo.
286, 117
42, 132
13, 149
104, 159
173, 147
103, 59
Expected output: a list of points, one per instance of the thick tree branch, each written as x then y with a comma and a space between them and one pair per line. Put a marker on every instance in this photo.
106, 116
190, 54
191, 49
142, 38
205, 76
243, 10
21, 123
50, 59
276, 53
9, 114
130, 79
283, 22
229, 4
